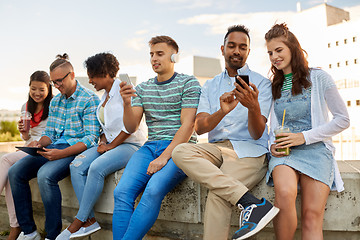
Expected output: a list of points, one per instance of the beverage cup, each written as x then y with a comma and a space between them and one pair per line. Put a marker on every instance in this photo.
25, 118
278, 131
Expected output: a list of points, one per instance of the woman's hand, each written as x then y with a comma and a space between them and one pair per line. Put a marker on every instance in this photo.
289, 140
25, 134
274, 152
34, 144
103, 147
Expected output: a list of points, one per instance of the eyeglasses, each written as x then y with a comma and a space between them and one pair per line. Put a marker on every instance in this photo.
58, 82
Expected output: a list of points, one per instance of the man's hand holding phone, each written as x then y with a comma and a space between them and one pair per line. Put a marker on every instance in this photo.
241, 79
246, 93
126, 89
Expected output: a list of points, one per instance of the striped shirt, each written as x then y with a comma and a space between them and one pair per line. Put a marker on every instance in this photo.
74, 118
287, 85
162, 103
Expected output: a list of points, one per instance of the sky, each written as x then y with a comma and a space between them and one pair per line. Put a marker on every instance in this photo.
33, 32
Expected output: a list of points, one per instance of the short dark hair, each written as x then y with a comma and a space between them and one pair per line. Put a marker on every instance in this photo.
61, 61
237, 28
102, 64
164, 39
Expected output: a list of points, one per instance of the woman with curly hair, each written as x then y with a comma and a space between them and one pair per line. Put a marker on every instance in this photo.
89, 169
306, 94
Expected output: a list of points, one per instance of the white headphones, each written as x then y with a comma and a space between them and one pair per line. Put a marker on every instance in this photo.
174, 57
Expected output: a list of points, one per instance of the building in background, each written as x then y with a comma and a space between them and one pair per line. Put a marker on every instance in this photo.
332, 40
203, 68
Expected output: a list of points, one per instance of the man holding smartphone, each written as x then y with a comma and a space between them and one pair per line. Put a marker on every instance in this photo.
169, 102
234, 160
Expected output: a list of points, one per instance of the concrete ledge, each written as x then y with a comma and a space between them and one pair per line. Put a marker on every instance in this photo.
182, 209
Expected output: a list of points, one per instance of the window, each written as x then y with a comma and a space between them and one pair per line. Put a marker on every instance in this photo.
338, 64
346, 63
337, 43
349, 103
354, 39
345, 41
329, 45
329, 65
357, 102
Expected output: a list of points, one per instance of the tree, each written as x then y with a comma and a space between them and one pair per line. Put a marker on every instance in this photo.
11, 127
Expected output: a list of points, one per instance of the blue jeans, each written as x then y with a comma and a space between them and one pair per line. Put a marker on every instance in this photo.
134, 224
88, 172
48, 174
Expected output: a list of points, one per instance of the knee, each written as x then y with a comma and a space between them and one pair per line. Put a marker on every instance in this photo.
311, 218
43, 178
178, 153
95, 170
13, 173
5, 160
285, 197
153, 193
121, 192
76, 166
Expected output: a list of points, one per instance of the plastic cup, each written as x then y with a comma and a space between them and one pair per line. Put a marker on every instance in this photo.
25, 118
278, 131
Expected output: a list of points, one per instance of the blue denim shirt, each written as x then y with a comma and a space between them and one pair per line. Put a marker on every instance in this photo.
234, 126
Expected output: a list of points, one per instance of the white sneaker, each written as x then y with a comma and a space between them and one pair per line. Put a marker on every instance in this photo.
32, 236
86, 231
64, 235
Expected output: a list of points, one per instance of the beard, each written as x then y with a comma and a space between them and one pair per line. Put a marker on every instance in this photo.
235, 65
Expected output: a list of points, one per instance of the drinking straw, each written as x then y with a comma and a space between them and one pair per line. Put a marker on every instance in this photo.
282, 125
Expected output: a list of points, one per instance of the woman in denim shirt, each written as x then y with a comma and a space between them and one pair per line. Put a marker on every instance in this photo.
306, 94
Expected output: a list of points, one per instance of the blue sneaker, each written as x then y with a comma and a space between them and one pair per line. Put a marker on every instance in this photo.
254, 218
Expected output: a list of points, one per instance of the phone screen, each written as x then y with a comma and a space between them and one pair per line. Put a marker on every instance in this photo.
243, 77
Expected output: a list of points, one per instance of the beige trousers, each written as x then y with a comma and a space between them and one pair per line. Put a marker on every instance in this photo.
228, 178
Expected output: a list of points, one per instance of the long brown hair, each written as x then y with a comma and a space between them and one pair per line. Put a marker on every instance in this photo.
299, 64
40, 76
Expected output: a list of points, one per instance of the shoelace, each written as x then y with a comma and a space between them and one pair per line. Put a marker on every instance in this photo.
245, 213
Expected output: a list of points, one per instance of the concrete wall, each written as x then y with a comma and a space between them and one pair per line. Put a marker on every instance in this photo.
182, 210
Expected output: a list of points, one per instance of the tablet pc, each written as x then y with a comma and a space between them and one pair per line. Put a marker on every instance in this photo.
31, 150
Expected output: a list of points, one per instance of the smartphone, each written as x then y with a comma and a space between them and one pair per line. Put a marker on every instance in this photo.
125, 78
243, 77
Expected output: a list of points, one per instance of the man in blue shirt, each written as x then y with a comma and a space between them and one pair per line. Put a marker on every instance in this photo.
234, 160
72, 127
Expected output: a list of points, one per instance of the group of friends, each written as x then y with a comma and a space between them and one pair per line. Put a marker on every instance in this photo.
90, 138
